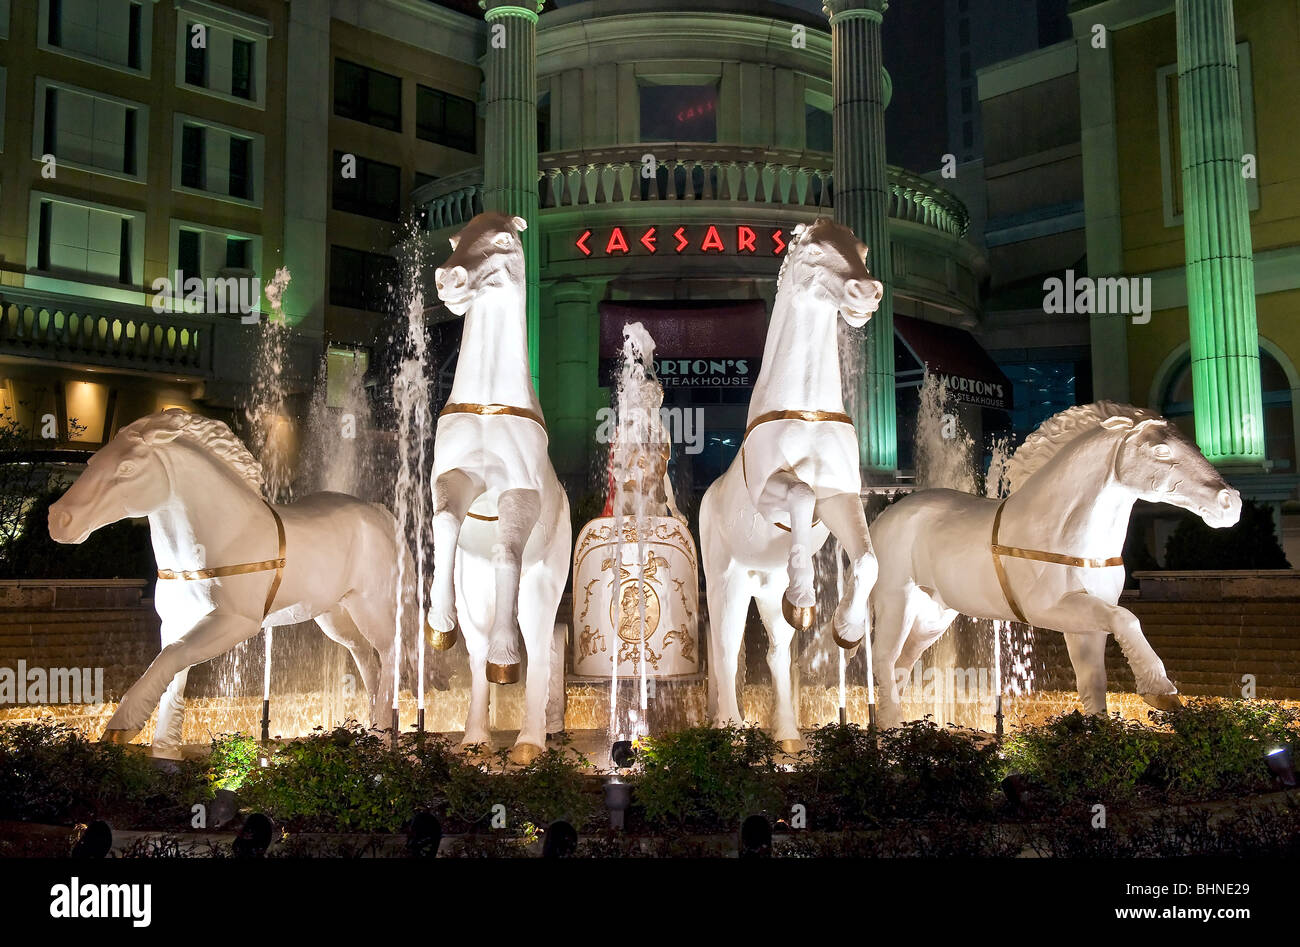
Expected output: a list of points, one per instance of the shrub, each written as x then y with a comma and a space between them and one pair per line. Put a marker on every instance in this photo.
234, 756
1250, 544
1218, 746
841, 778
349, 779
939, 771
705, 778
50, 772
1075, 757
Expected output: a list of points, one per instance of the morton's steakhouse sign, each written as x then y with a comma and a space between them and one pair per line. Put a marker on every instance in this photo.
682, 240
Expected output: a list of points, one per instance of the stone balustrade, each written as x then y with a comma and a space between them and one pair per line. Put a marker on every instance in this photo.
698, 172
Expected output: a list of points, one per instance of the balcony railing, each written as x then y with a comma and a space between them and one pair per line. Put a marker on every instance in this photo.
787, 179
86, 330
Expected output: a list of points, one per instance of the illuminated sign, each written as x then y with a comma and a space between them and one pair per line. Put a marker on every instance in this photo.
693, 239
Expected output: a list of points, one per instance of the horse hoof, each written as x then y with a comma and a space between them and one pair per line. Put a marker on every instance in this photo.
476, 751
163, 752
800, 618
503, 673
524, 753
851, 646
790, 746
1163, 701
120, 737
439, 640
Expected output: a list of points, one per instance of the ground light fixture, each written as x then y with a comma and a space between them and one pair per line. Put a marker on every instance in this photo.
1018, 790
254, 838
756, 837
622, 754
618, 796
424, 836
561, 840
95, 842
1281, 764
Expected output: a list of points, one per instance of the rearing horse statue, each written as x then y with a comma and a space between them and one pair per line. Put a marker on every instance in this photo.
501, 530
1048, 554
796, 479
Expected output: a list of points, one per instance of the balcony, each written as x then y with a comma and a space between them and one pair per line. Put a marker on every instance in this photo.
92, 332
793, 180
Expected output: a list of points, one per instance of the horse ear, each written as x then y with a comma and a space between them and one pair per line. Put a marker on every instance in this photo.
799, 229
520, 224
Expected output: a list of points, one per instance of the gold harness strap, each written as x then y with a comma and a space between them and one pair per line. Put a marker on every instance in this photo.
494, 409
244, 568
1015, 552
838, 416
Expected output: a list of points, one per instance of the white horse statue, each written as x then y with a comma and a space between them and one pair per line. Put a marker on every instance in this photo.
231, 563
501, 530
796, 478
1048, 554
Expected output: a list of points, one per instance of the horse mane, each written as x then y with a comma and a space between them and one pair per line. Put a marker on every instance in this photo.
794, 241
214, 437
1061, 429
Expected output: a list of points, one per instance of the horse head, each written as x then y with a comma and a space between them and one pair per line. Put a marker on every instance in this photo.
127, 478
825, 260
486, 255
1161, 465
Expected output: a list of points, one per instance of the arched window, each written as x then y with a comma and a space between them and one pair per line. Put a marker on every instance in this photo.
1279, 425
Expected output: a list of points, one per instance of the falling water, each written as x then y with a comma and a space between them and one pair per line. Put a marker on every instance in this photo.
638, 444
412, 408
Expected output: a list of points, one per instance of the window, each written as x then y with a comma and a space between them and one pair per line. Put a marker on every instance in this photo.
229, 63
963, 32
207, 253
107, 31
445, 119
188, 255
217, 160
679, 113
237, 256
965, 65
967, 135
241, 80
344, 369
192, 156
88, 131
818, 128
367, 95
239, 167
88, 241
196, 57
376, 191
965, 99
361, 280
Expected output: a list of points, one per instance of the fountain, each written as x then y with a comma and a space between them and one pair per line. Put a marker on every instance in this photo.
635, 570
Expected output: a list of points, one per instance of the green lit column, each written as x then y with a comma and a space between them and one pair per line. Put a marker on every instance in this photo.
1216, 232
510, 145
862, 203
567, 413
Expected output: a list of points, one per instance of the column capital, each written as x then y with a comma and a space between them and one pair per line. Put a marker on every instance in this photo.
492, 9
839, 10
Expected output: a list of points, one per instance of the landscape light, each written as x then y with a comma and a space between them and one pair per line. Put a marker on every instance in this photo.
1281, 764
254, 838
95, 842
622, 754
618, 797
756, 837
424, 836
561, 840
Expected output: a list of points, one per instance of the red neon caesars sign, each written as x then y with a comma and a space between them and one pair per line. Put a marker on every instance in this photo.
699, 238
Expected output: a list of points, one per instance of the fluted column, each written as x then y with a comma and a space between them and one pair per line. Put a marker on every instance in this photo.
862, 203
510, 143
569, 416
1216, 233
